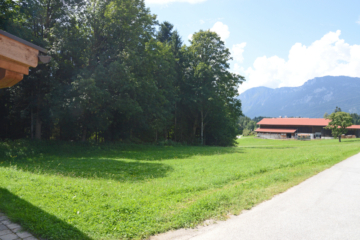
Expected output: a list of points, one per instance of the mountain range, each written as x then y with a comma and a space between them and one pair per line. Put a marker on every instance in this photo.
313, 99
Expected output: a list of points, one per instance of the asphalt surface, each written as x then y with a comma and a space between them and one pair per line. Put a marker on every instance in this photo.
326, 206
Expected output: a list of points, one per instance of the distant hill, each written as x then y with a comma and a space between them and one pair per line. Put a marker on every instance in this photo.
312, 99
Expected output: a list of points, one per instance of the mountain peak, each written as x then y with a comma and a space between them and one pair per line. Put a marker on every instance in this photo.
312, 99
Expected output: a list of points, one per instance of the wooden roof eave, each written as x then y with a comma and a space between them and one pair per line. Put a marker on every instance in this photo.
16, 56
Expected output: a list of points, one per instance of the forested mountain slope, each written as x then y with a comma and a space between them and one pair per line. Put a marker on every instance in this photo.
312, 99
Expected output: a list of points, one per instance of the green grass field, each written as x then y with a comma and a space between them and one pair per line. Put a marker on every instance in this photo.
61, 190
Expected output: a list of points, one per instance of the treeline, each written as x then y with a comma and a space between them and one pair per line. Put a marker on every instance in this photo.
247, 125
117, 75
355, 117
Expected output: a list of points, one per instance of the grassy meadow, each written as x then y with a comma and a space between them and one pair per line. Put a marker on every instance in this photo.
63, 190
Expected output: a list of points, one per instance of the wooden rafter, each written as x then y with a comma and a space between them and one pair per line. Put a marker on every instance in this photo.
16, 56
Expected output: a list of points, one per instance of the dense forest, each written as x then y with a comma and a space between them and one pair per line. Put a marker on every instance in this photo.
117, 74
355, 118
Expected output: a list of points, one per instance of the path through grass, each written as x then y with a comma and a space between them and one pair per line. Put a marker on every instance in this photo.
61, 190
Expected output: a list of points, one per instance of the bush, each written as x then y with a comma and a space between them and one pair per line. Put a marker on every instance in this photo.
248, 132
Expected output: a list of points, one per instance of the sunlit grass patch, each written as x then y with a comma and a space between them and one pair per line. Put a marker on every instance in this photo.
60, 190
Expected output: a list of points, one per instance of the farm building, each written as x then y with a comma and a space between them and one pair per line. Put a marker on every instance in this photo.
287, 128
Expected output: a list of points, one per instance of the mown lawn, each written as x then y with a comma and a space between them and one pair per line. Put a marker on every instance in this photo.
60, 190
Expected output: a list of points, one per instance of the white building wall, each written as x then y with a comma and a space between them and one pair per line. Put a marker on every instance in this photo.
311, 135
272, 136
269, 136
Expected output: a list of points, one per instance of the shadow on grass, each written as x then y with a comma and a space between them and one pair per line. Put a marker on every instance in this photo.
107, 161
35, 220
93, 168
36, 149
268, 147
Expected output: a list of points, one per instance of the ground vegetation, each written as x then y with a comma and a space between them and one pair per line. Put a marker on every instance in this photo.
63, 190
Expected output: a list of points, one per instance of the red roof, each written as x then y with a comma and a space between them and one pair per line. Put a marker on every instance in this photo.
270, 130
354, 127
295, 121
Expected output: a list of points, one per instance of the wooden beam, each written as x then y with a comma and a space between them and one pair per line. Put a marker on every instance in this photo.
9, 78
18, 52
13, 66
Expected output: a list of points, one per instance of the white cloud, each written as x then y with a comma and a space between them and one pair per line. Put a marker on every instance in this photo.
171, 1
202, 21
190, 36
222, 30
237, 52
328, 56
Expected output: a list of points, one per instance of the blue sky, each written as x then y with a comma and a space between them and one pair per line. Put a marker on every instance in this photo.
275, 43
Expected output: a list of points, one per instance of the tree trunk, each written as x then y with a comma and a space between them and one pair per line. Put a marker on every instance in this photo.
38, 126
202, 127
38, 122
194, 128
194, 131
339, 138
83, 138
175, 125
32, 124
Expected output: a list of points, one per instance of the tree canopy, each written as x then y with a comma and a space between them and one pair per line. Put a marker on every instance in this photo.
339, 121
117, 75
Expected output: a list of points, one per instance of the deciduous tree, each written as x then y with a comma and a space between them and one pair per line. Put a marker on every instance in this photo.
338, 124
209, 79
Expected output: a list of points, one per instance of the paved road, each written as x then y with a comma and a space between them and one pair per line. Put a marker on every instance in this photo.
326, 206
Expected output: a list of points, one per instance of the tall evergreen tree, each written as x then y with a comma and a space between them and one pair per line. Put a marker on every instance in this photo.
165, 32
